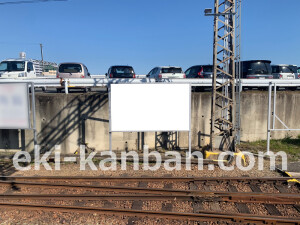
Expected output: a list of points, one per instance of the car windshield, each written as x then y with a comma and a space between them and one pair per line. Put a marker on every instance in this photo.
193, 70
275, 69
70, 68
12, 66
299, 70
208, 69
293, 69
252, 68
171, 70
123, 70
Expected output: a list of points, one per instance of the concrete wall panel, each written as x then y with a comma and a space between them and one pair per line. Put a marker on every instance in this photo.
78, 118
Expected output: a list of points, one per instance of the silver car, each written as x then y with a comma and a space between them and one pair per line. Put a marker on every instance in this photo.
284, 71
166, 72
72, 70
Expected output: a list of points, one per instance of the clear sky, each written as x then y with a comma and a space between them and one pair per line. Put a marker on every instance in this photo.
144, 33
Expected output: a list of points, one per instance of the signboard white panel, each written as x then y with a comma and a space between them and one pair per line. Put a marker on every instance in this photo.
14, 106
150, 107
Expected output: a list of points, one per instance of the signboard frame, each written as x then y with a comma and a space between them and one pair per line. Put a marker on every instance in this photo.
110, 118
31, 110
29, 127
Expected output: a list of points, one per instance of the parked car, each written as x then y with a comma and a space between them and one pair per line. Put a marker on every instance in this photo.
298, 72
294, 68
166, 72
120, 72
256, 69
201, 71
72, 70
17, 68
284, 71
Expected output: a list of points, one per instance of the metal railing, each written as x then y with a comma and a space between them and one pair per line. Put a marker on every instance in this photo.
273, 117
104, 82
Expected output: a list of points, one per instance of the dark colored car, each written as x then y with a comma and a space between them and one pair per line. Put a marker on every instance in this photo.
256, 69
120, 72
201, 71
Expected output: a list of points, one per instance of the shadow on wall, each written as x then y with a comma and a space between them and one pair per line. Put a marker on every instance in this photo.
10, 139
70, 118
167, 140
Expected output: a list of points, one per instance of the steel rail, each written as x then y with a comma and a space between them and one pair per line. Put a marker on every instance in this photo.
201, 216
103, 188
149, 179
195, 193
289, 199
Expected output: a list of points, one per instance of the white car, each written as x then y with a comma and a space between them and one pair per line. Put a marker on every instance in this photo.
284, 71
166, 72
17, 68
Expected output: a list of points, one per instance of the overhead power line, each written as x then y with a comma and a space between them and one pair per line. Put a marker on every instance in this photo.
30, 1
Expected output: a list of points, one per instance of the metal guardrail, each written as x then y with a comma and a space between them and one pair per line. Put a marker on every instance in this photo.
98, 82
103, 82
266, 82
38, 82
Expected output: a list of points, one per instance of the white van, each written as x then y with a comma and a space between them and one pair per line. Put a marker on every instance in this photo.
284, 71
17, 68
166, 72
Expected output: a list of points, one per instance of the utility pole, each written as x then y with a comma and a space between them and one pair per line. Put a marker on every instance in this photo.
223, 84
42, 56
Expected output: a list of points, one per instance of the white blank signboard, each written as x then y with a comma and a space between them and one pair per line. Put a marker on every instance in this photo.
150, 107
14, 106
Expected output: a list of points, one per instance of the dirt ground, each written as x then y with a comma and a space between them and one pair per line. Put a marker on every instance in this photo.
14, 216
73, 169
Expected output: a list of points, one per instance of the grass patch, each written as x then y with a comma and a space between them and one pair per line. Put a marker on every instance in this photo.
289, 145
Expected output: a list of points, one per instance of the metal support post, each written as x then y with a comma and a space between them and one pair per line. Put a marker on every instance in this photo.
66, 83
238, 71
190, 125
190, 144
110, 141
33, 115
109, 112
42, 56
274, 105
269, 118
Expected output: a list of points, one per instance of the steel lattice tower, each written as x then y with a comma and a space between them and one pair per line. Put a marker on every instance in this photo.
223, 90
238, 72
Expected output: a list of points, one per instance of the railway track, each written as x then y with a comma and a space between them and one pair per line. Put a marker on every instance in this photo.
201, 216
206, 197
148, 179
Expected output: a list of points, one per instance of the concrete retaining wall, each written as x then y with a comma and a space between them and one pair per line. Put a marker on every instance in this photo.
74, 119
